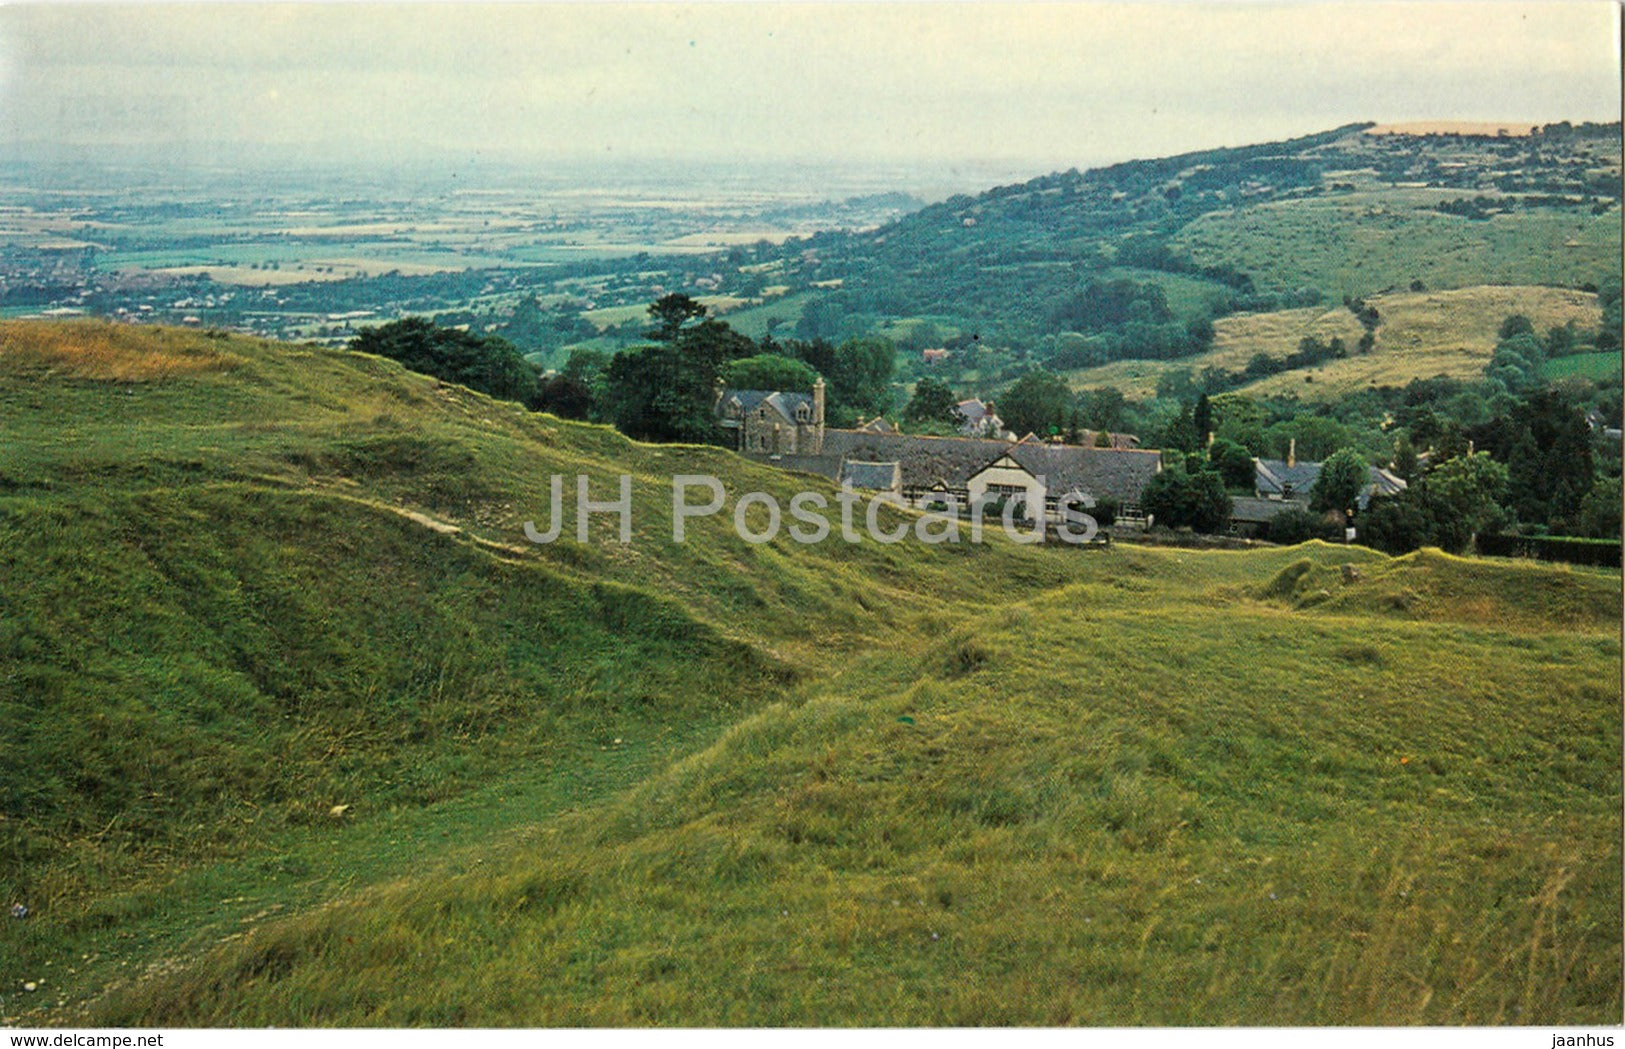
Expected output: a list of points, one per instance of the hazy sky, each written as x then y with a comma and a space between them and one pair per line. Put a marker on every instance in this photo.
1046, 86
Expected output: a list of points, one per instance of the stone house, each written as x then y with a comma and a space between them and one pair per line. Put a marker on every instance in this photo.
929, 470
773, 422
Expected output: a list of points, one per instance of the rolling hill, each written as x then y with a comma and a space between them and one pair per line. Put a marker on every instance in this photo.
1421, 335
297, 728
1309, 220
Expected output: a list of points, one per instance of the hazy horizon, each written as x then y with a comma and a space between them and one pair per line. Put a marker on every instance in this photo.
923, 87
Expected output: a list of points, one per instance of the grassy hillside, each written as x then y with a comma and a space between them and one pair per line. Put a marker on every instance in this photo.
295, 728
1421, 335
1365, 243
1338, 213
1081, 809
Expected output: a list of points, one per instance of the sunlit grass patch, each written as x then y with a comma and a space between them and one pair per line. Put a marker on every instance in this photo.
101, 351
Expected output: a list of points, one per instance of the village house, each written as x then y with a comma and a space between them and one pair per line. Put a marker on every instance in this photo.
1282, 484
977, 419
773, 422
928, 472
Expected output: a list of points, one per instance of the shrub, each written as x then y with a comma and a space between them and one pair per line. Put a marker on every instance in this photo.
1294, 525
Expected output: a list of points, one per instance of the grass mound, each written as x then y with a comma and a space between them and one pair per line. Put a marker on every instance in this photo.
1070, 810
1430, 584
191, 661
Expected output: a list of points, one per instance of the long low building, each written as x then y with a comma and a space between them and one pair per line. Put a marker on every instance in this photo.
927, 470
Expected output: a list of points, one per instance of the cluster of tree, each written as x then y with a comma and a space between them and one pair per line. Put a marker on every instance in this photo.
1478, 208
934, 408
665, 390
1518, 363
1445, 507
487, 363
1134, 341
1111, 304
1608, 297
535, 330
1184, 383
1545, 443
1179, 497
1369, 318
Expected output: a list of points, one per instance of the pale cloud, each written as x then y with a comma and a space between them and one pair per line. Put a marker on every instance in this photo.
1049, 84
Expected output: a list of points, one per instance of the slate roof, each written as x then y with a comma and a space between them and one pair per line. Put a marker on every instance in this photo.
874, 477
1271, 476
748, 399
783, 403
1247, 509
787, 403
1274, 476
973, 410
923, 462
824, 465
977, 417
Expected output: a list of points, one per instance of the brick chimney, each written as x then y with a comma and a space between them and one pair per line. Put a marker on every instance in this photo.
1292, 452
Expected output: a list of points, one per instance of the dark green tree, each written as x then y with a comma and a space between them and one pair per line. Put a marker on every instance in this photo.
769, 371
1296, 525
1104, 408
715, 342
1342, 476
1233, 462
563, 396
485, 363
1545, 442
667, 391
1039, 402
859, 374
1202, 418
1179, 434
1177, 499
1397, 524
1404, 461
1464, 498
670, 313
527, 328
1599, 516
933, 401
1515, 324
662, 393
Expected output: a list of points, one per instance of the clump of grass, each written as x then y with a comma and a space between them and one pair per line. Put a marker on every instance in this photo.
1288, 582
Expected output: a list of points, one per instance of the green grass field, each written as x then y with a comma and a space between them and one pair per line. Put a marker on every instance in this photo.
1363, 244
1599, 366
1421, 335
297, 728
753, 320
